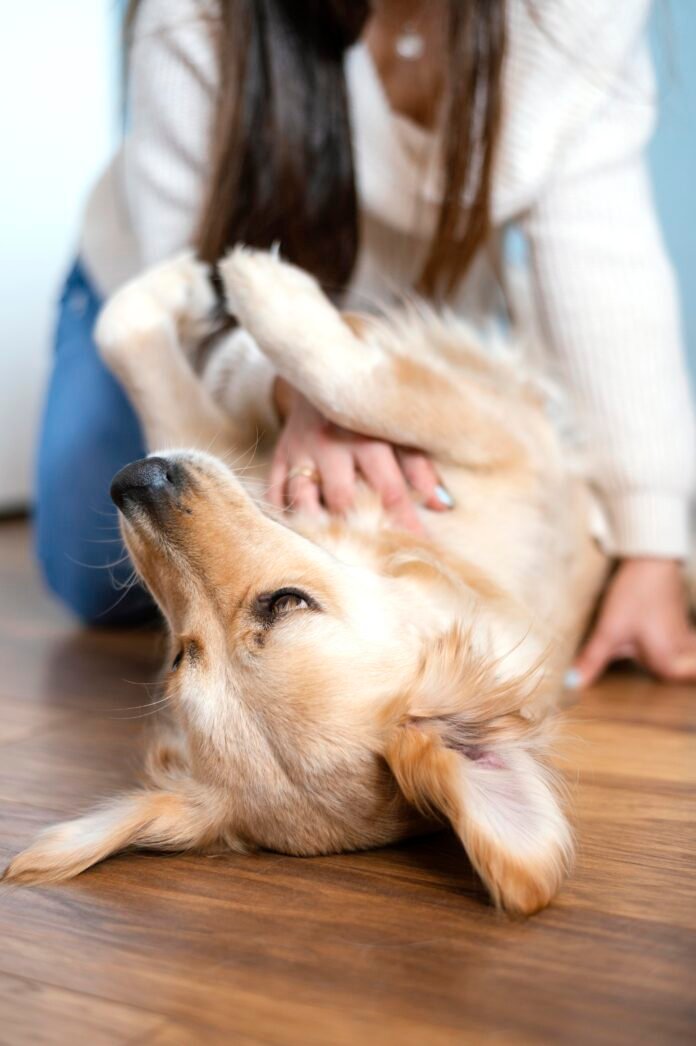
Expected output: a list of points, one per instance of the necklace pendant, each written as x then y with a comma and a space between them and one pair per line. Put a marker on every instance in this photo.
410, 45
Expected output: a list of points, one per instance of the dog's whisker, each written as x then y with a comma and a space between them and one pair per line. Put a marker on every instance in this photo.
109, 514
112, 565
135, 708
144, 715
240, 456
127, 583
126, 588
147, 683
105, 541
98, 566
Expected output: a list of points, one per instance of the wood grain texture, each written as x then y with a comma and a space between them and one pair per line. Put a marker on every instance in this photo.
38, 1013
393, 946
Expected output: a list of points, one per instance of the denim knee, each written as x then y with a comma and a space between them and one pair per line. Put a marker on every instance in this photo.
101, 601
89, 432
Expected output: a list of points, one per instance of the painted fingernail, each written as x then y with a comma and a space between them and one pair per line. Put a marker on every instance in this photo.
572, 680
444, 496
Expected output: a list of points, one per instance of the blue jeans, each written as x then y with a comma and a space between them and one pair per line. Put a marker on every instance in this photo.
89, 432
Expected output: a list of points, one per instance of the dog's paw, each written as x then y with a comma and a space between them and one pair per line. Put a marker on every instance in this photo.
176, 297
184, 288
252, 279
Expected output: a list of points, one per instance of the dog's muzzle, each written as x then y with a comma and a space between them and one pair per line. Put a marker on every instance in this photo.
152, 484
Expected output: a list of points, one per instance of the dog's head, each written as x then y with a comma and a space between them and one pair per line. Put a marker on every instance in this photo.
310, 711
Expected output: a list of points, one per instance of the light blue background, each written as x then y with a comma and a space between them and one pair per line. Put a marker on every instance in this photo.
673, 149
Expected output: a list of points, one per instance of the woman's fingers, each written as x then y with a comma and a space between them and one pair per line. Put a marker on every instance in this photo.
381, 470
302, 495
308, 441
659, 654
336, 466
277, 478
600, 649
285, 490
668, 657
661, 642
420, 473
683, 666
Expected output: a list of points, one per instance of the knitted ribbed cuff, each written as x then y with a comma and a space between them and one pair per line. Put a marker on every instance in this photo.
649, 524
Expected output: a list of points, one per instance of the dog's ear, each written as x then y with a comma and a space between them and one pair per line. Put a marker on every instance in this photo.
152, 818
465, 749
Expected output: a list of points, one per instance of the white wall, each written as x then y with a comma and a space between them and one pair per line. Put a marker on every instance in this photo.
58, 124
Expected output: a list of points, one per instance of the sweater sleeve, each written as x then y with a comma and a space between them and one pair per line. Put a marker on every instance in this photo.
171, 99
608, 304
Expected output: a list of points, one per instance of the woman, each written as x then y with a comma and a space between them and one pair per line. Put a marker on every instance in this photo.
386, 146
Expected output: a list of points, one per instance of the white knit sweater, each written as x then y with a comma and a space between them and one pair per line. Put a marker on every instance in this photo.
579, 108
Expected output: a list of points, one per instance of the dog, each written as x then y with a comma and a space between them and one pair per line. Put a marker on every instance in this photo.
336, 683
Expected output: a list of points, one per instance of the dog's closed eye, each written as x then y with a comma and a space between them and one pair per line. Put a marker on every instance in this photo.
190, 649
271, 606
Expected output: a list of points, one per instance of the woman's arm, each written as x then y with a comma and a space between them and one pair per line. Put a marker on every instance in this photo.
172, 85
607, 298
172, 97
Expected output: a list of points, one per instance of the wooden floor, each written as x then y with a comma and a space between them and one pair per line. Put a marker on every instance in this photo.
392, 946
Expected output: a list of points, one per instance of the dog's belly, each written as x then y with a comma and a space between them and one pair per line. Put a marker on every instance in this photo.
531, 538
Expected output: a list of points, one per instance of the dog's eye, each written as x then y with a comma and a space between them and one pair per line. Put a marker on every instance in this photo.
190, 650
274, 605
287, 599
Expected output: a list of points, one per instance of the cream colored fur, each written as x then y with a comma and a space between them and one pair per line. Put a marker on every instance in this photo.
417, 680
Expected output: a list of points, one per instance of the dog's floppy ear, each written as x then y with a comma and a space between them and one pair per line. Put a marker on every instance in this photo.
472, 756
151, 818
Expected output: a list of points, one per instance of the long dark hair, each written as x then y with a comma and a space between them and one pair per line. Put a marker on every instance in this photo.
281, 163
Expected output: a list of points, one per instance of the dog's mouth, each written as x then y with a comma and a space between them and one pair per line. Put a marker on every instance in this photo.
196, 538
185, 520
155, 498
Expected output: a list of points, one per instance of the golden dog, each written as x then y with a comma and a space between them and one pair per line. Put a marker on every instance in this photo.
337, 684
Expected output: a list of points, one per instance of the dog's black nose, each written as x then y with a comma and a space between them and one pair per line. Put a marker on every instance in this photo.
150, 480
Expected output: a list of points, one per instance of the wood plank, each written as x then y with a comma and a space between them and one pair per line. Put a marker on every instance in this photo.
632, 696
75, 763
634, 751
90, 670
20, 719
272, 939
42, 1015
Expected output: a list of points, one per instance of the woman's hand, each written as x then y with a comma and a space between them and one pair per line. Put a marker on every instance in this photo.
644, 616
317, 462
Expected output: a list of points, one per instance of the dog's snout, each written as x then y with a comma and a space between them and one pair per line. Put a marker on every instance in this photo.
148, 480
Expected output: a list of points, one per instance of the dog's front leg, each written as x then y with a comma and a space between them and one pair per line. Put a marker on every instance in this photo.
144, 333
359, 383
